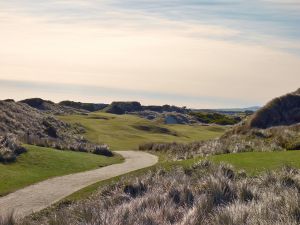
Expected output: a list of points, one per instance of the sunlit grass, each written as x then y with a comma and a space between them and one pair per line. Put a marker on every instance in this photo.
42, 163
121, 132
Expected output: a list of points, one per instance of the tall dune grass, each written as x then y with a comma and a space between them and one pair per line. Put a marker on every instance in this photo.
204, 194
233, 141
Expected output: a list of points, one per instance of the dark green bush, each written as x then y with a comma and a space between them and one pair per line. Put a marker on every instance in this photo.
216, 118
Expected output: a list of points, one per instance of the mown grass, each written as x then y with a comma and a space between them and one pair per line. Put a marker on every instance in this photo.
42, 163
253, 163
123, 132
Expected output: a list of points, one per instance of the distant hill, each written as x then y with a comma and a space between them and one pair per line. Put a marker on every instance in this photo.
123, 107
91, 107
166, 108
171, 114
129, 107
281, 111
51, 107
252, 108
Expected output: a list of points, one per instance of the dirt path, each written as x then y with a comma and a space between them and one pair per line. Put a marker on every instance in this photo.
41, 195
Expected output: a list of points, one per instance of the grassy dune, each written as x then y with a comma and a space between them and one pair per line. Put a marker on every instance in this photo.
122, 132
42, 163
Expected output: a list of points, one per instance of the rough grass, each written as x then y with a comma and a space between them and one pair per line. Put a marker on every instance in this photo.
120, 131
253, 163
284, 110
203, 194
35, 127
259, 140
42, 163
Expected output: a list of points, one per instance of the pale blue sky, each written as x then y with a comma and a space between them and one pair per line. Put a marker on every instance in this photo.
199, 53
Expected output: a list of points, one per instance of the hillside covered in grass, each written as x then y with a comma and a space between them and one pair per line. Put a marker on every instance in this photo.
129, 131
26, 124
282, 133
281, 111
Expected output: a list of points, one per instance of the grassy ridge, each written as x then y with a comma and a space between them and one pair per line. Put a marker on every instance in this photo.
42, 163
128, 131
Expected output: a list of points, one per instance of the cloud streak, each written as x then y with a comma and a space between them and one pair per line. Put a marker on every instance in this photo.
172, 48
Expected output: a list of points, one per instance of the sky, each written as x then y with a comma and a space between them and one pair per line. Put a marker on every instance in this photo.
195, 53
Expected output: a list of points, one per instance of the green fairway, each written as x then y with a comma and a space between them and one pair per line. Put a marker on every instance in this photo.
41, 163
123, 132
255, 162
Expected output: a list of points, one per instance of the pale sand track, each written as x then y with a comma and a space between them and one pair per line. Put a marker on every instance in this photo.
43, 194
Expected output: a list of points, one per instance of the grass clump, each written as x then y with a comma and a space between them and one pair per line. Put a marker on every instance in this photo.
10, 148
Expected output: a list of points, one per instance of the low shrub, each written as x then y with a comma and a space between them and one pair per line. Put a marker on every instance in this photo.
216, 118
294, 145
10, 148
102, 150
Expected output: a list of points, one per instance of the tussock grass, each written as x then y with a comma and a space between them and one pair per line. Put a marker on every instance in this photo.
36, 127
271, 139
204, 194
284, 110
10, 148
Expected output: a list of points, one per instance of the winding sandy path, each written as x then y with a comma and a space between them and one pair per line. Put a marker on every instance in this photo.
41, 195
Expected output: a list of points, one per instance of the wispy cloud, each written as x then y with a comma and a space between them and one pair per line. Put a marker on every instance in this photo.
256, 21
174, 48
